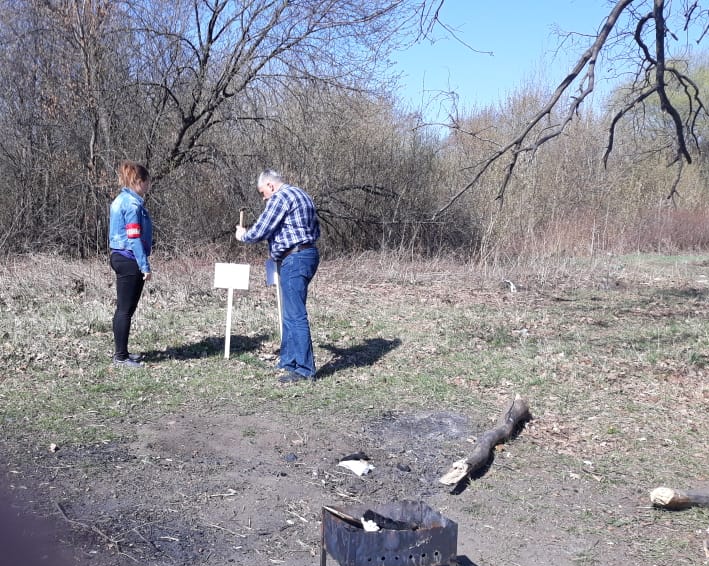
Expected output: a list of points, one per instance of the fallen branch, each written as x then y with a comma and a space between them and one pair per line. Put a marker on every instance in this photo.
675, 499
516, 413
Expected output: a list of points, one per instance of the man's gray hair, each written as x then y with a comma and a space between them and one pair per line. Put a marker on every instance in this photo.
269, 175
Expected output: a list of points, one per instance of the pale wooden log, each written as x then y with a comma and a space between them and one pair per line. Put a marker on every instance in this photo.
675, 499
516, 412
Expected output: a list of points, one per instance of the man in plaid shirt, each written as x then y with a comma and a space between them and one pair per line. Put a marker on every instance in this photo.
290, 225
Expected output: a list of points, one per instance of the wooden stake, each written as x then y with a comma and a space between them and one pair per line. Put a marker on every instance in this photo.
279, 298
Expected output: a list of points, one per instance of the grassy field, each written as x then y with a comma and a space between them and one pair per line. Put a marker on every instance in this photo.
611, 354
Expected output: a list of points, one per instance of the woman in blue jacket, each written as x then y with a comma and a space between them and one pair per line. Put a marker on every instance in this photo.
130, 239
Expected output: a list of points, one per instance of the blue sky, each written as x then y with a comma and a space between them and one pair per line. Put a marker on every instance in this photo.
520, 34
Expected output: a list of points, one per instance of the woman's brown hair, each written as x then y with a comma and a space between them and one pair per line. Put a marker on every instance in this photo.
131, 173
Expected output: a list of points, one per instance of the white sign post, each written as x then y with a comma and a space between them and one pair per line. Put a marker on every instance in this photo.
230, 276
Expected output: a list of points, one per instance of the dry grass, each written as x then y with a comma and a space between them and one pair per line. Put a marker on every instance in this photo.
612, 355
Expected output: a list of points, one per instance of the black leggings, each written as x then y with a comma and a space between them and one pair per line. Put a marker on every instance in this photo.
129, 287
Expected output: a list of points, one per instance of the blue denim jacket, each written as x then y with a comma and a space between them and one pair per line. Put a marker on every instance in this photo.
130, 227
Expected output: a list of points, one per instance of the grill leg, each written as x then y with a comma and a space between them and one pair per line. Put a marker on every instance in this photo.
323, 552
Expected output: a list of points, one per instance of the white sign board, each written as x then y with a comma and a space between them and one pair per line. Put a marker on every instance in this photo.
230, 276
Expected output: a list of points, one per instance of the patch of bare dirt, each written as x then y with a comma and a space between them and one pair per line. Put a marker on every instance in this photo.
242, 488
249, 489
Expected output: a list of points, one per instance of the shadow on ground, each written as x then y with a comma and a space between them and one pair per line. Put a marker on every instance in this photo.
208, 347
364, 354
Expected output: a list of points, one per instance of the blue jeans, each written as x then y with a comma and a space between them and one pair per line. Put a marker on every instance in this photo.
296, 272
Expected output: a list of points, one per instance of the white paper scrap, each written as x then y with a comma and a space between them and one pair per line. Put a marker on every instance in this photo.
369, 526
359, 467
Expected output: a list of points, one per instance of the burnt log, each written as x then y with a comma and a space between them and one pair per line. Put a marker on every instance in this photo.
512, 418
675, 499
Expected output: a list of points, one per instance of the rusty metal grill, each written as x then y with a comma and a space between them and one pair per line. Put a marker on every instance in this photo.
431, 541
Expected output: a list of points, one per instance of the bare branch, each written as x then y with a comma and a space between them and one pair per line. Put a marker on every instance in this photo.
651, 79
675, 183
516, 146
665, 103
616, 119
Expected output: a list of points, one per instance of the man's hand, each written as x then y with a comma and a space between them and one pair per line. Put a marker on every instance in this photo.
240, 231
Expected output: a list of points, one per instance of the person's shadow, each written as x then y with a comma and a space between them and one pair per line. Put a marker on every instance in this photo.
360, 355
209, 347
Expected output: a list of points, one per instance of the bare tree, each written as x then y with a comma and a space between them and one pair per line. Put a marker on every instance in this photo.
642, 28
220, 69
56, 120
180, 85
210, 62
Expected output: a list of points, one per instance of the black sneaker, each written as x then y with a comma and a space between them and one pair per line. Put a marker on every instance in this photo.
135, 357
293, 377
126, 363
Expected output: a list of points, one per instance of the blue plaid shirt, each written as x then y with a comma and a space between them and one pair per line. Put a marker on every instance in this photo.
289, 219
